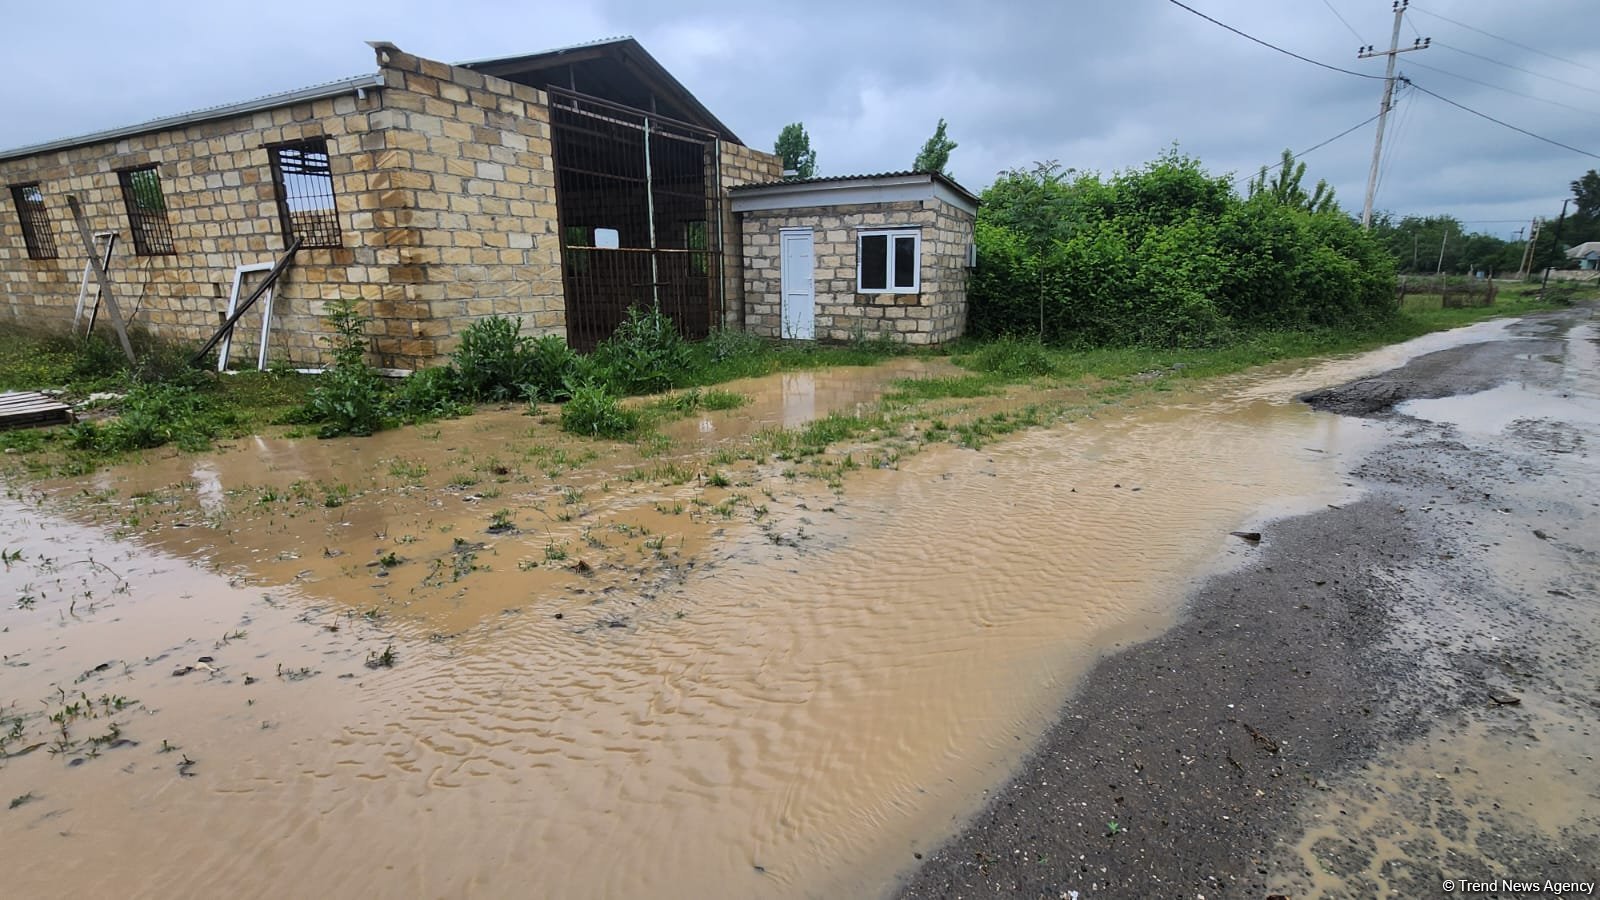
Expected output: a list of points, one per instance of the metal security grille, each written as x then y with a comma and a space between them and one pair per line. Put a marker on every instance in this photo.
147, 211
306, 206
637, 202
35, 221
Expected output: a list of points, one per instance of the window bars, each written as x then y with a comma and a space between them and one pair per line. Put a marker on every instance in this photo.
147, 211
35, 221
304, 180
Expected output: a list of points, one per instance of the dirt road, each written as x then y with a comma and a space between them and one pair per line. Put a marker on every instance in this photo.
1396, 692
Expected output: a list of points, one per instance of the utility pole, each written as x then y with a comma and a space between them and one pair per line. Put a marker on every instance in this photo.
1526, 269
1369, 52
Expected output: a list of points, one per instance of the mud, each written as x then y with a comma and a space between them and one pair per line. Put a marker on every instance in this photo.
1457, 371
683, 670
1398, 691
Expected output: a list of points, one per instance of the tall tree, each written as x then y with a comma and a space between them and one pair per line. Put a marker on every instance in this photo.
1286, 189
794, 147
1587, 191
935, 153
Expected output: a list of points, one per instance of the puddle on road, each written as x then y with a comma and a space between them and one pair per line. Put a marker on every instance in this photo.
1499, 788
1575, 402
786, 702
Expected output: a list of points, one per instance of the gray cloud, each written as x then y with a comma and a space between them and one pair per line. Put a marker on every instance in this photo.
1097, 86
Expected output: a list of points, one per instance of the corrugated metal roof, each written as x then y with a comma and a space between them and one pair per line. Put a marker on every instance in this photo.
623, 48
1584, 249
270, 101
599, 42
825, 179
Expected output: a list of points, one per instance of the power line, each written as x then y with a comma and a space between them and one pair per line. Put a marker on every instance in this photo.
1347, 25
1321, 144
1502, 124
1270, 46
1516, 68
1506, 40
1505, 89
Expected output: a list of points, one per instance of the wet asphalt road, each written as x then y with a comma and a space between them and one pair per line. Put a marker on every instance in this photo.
1394, 693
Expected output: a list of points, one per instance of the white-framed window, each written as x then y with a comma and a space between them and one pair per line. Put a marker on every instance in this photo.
889, 261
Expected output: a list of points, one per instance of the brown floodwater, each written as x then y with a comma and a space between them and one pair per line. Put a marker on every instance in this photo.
668, 676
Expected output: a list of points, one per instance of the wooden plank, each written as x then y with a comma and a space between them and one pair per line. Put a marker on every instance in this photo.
100, 275
29, 409
262, 288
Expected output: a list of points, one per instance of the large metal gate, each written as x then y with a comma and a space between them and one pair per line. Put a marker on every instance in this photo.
638, 211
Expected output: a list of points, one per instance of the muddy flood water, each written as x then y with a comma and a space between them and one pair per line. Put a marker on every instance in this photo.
483, 658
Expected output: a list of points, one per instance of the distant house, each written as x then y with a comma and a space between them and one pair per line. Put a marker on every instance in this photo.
1587, 254
562, 187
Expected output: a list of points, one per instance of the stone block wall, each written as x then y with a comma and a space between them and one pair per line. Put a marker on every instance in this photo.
468, 223
740, 165
934, 315
222, 209
443, 185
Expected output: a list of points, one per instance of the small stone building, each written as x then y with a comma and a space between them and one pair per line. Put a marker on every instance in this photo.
869, 256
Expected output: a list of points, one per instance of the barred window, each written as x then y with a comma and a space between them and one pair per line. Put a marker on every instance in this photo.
147, 211
35, 221
306, 206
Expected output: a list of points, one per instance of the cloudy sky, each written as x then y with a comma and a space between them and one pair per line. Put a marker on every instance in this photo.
1097, 86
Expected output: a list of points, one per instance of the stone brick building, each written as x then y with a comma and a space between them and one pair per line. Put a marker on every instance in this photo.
561, 187
859, 256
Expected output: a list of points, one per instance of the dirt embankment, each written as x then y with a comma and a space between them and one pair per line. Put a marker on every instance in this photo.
1347, 715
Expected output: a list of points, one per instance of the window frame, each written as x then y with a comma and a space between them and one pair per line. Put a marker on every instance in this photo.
286, 222
152, 231
891, 234
34, 217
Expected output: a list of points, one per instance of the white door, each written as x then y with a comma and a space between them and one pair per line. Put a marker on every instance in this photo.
799, 297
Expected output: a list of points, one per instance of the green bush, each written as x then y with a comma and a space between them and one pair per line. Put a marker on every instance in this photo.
645, 355
724, 344
349, 395
1165, 256
594, 411
428, 394
153, 415
1011, 357
496, 362
493, 360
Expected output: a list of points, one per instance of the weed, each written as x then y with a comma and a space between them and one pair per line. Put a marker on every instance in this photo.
594, 412
390, 560
21, 800
348, 397
720, 400
1011, 357
555, 552
335, 495
384, 660
717, 479
408, 470
501, 521
645, 355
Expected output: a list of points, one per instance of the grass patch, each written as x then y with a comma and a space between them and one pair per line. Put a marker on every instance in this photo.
914, 389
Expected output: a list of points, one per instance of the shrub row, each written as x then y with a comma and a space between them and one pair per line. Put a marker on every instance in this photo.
495, 362
1166, 256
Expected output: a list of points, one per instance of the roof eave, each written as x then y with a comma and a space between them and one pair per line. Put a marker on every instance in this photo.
507, 64
371, 81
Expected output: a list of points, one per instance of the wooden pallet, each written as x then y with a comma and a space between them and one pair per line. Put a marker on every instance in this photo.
26, 409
